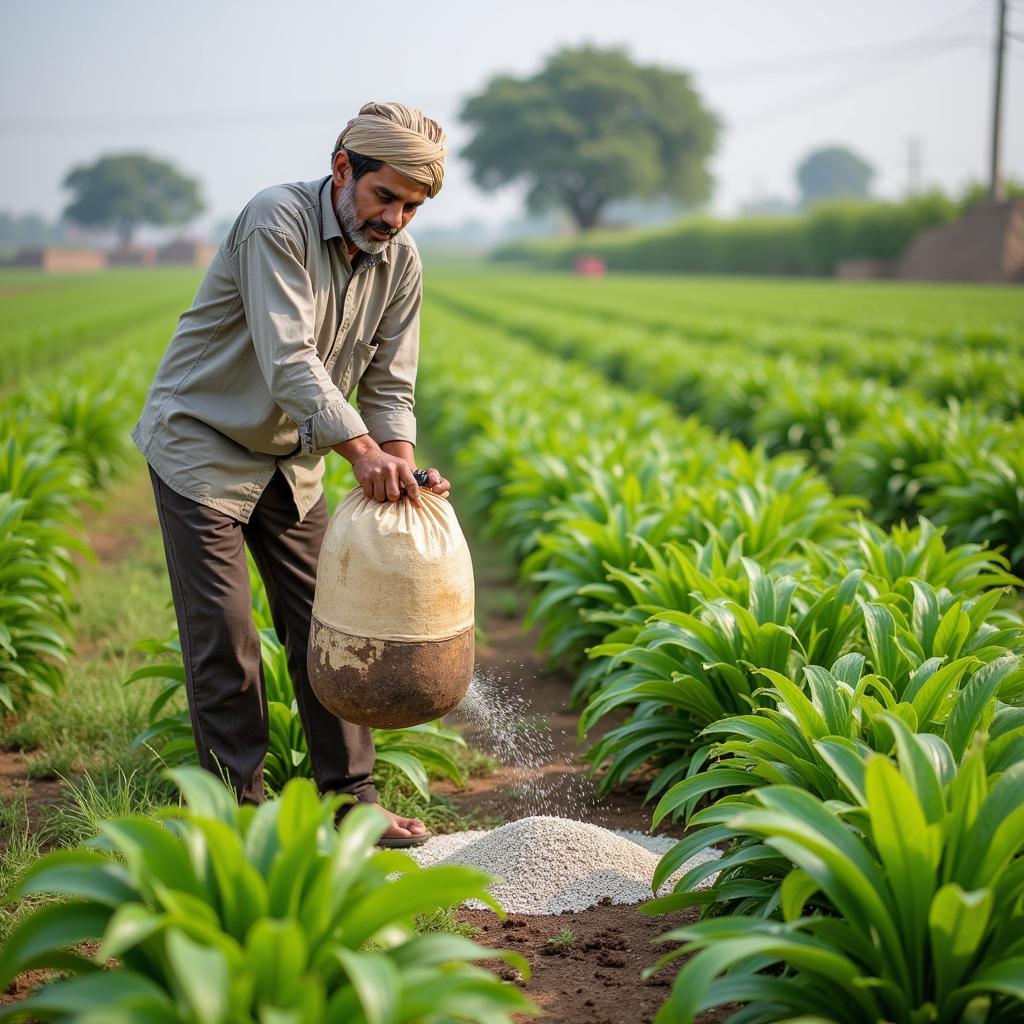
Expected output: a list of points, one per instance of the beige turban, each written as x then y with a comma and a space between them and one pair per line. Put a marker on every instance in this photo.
406, 139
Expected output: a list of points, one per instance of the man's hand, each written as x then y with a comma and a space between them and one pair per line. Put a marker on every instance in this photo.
382, 476
437, 483
385, 472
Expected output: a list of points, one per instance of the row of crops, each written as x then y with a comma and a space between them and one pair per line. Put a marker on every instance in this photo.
926, 422
76, 358
213, 912
838, 706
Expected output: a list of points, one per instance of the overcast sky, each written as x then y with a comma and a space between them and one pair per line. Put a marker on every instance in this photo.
246, 94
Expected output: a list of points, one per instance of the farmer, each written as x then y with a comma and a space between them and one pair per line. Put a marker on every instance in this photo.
314, 290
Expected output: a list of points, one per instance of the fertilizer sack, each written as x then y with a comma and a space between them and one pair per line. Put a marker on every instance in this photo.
392, 639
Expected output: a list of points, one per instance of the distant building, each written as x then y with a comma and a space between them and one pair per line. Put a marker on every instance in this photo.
132, 256
986, 244
184, 253
865, 269
54, 259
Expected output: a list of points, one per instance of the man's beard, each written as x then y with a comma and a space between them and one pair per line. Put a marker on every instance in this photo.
355, 229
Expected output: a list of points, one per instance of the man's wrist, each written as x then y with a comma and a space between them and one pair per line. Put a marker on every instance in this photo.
400, 450
356, 447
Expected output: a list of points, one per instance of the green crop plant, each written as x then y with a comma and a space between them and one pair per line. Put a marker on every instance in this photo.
776, 505
977, 375
881, 460
735, 393
39, 523
556, 470
902, 904
34, 469
885, 460
979, 495
612, 524
891, 559
686, 667
798, 739
814, 742
683, 671
816, 416
218, 913
92, 418
34, 605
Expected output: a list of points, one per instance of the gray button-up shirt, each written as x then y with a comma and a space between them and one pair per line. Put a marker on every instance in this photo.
258, 373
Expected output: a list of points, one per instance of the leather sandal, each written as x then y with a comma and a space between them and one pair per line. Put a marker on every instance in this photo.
404, 842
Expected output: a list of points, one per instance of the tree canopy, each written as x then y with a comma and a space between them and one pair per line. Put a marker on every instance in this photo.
124, 190
589, 127
833, 172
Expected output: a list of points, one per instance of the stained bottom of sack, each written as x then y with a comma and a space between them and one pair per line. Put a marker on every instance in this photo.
547, 865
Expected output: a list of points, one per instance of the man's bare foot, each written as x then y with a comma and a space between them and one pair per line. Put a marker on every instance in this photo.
403, 831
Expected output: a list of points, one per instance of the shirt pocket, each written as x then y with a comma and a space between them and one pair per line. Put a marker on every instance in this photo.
362, 356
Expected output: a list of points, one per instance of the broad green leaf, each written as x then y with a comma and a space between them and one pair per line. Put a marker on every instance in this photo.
899, 830
49, 930
201, 978
377, 983
92, 992
797, 888
956, 924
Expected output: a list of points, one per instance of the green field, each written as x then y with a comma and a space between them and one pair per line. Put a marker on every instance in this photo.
771, 528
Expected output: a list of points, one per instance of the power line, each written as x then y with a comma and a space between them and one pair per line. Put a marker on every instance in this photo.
798, 63
806, 99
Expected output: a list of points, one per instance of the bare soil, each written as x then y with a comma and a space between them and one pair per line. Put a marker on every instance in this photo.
40, 794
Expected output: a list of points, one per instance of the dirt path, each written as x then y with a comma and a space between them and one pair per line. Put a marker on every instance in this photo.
595, 977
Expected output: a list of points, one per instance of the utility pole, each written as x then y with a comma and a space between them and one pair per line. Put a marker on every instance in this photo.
996, 189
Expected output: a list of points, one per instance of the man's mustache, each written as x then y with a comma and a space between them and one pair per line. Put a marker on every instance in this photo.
379, 225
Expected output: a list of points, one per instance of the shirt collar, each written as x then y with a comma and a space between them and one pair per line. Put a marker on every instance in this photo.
332, 229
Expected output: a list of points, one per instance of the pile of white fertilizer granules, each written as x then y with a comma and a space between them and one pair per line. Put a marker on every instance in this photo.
547, 865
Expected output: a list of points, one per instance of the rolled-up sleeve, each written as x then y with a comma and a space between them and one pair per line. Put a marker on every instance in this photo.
386, 389
280, 310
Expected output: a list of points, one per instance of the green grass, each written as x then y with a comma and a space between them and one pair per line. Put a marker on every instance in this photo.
446, 921
20, 846
89, 724
565, 938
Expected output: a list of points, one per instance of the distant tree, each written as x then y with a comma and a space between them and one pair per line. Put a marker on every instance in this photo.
123, 190
590, 127
834, 173
27, 229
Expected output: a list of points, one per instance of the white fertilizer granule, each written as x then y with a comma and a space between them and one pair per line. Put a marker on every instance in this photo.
547, 865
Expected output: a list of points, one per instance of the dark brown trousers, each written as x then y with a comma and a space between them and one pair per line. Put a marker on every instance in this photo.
220, 645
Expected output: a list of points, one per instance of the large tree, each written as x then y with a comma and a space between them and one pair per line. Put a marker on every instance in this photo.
833, 173
592, 126
123, 190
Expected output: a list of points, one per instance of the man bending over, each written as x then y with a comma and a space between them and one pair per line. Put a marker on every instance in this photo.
315, 290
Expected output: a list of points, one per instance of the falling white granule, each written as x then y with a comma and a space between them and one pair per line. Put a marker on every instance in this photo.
547, 865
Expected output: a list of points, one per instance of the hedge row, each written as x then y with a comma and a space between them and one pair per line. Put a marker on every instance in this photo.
809, 244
